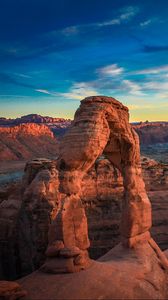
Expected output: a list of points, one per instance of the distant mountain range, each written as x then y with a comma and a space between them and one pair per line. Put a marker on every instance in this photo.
57, 125
149, 132
35, 118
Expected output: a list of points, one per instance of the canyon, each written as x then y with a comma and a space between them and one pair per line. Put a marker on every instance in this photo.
88, 177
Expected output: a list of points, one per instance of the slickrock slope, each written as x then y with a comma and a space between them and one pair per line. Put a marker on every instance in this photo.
120, 274
26, 141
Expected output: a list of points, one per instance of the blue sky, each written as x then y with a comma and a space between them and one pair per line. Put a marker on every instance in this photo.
55, 53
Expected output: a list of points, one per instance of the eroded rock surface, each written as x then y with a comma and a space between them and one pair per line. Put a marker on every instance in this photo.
123, 273
101, 125
26, 141
10, 290
136, 268
101, 192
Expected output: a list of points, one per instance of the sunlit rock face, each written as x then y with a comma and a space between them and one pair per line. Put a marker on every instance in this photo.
134, 269
23, 250
48, 187
152, 132
26, 141
101, 125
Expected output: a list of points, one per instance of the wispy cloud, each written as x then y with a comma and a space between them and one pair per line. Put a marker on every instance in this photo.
126, 15
146, 23
22, 75
115, 79
71, 30
7, 78
44, 91
79, 90
110, 70
133, 87
156, 85
154, 70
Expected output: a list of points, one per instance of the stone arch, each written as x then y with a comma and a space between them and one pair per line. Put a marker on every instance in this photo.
101, 125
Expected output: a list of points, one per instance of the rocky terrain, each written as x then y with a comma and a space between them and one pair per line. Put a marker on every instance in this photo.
26, 141
52, 198
57, 125
32, 204
149, 132
134, 269
102, 194
152, 132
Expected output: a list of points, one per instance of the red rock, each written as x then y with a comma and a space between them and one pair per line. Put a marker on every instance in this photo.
54, 249
122, 273
26, 141
105, 128
58, 197
104, 124
152, 132
70, 252
10, 290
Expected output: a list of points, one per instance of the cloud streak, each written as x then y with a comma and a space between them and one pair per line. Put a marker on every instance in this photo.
133, 88
154, 70
145, 23
44, 91
79, 91
110, 70
126, 15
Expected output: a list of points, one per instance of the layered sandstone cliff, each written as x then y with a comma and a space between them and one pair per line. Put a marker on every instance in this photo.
152, 133
26, 141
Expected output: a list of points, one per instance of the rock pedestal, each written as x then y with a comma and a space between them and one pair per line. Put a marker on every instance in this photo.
68, 233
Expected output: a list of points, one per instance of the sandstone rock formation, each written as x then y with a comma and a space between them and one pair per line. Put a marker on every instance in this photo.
53, 190
57, 125
23, 250
10, 290
152, 132
123, 273
101, 125
26, 141
136, 268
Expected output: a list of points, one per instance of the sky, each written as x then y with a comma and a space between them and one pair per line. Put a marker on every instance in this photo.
55, 53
